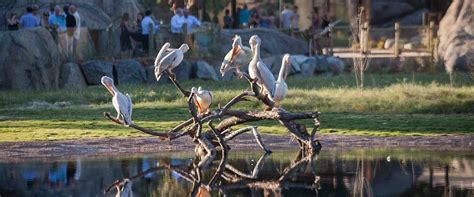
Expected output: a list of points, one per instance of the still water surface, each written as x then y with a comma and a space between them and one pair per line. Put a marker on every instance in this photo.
376, 172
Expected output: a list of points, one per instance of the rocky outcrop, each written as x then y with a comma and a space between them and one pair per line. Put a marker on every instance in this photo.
130, 71
456, 36
273, 42
71, 76
95, 69
202, 70
29, 59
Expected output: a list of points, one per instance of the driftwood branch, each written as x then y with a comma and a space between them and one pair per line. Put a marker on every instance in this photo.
208, 139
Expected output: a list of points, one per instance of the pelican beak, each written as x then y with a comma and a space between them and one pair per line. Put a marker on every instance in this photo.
108, 86
235, 50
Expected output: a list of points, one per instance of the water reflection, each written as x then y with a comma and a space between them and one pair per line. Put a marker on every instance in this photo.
331, 173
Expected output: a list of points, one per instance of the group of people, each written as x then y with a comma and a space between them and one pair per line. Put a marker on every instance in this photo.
64, 22
182, 22
255, 18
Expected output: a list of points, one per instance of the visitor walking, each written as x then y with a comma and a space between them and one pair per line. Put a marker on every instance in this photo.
148, 27
28, 20
227, 20
13, 22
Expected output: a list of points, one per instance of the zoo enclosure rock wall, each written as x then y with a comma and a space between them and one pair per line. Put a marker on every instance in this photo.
29, 59
456, 37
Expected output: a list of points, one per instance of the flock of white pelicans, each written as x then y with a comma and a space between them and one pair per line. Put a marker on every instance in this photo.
240, 55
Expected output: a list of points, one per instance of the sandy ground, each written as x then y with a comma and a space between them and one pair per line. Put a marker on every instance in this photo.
112, 146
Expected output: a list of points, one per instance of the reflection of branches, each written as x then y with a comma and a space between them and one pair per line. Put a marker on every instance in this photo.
227, 177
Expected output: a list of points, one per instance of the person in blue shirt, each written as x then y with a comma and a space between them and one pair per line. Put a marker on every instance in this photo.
58, 20
244, 16
28, 20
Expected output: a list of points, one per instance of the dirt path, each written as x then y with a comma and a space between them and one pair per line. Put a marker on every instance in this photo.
106, 146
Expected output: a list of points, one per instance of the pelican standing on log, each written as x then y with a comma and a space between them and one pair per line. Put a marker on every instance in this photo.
202, 99
170, 60
238, 56
280, 86
122, 103
258, 70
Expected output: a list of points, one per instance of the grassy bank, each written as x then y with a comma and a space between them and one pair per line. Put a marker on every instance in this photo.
390, 105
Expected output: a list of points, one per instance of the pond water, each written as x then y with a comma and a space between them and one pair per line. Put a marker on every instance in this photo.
377, 172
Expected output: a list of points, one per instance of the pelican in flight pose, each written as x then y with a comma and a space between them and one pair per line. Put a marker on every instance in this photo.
238, 56
202, 99
167, 61
280, 86
122, 103
258, 70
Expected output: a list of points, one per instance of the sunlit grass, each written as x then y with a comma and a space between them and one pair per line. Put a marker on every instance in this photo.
390, 105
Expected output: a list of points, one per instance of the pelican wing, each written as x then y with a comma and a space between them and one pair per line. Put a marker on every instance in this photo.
165, 63
266, 77
130, 105
125, 107
281, 90
162, 53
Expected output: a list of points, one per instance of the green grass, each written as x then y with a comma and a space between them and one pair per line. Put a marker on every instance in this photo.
390, 105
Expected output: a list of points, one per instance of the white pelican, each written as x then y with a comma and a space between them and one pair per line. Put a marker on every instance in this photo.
280, 86
238, 56
122, 103
169, 61
258, 70
202, 99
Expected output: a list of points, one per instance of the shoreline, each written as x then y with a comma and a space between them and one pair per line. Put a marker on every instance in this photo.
143, 145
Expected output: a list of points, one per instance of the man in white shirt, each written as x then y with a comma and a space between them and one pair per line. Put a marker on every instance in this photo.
148, 28
191, 21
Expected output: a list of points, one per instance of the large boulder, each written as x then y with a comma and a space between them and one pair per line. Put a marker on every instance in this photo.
95, 69
382, 11
273, 42
71, 76
456, 37
130, 71
202, 70
29, 59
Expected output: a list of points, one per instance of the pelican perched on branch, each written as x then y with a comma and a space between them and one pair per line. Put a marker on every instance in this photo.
167, 61
122, 103
202, 99
238, 56
280, 86
258, 70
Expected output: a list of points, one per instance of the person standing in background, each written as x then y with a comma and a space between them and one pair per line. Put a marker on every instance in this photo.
13, 22
254, 19
125, 42
58, 24
191, 21
227, 20
325, 23
315, 31
70, 29
44, 21
285, 18
28, 20
35, 13
148, 27
77, 32
244, 17
295, 19
177, 22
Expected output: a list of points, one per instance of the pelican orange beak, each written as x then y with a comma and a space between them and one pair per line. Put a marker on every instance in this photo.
235, 50
107, 82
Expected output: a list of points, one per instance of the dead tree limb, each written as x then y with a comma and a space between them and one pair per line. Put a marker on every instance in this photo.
208, 139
